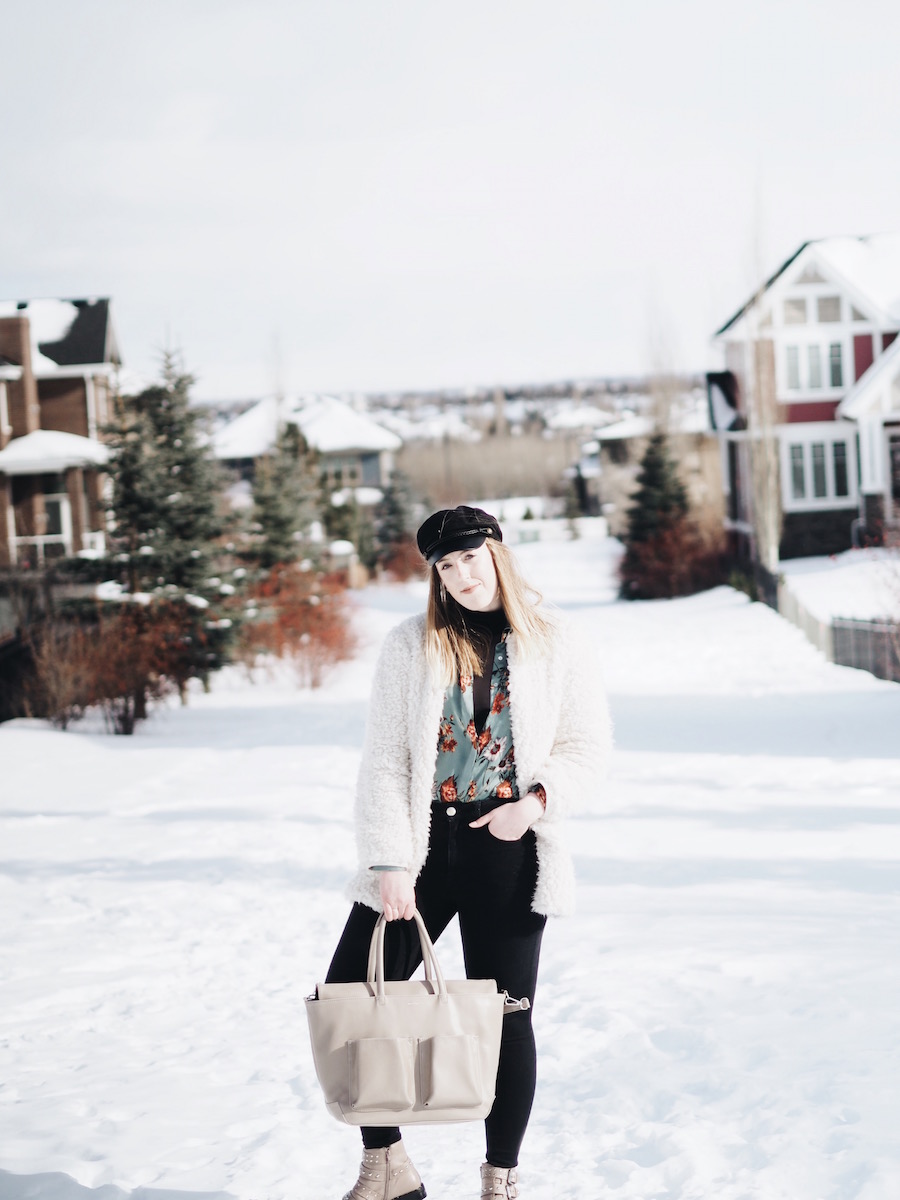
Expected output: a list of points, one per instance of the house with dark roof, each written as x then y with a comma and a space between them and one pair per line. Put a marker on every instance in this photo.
58, 362
821, 331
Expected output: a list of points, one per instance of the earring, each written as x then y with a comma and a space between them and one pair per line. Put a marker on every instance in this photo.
443, 594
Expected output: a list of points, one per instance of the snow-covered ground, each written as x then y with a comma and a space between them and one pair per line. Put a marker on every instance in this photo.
721, 1018
864, 584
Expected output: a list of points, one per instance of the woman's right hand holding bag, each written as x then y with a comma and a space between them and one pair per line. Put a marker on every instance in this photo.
398, 895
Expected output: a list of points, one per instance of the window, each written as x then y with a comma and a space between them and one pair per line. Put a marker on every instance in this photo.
798, 474
835, 361
815, 366
816, 474
820, 484
795, 312
856, 315
839, 458
53, 506
793, 367
828, 309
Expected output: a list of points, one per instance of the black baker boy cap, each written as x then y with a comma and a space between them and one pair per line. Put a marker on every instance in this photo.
461, 528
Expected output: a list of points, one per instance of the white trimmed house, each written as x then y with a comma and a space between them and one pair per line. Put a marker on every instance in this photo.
824, 326
874, 405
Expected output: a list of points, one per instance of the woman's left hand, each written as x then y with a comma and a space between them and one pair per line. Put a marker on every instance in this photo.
512, 821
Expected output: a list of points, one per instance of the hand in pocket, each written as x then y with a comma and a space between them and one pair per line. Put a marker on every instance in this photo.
508, 823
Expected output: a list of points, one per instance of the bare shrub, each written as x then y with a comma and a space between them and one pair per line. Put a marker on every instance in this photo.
61, 683
450, 472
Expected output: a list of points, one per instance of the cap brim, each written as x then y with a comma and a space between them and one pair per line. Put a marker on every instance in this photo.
472, 542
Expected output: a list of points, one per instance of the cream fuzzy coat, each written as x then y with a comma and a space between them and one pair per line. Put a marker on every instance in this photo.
560, 730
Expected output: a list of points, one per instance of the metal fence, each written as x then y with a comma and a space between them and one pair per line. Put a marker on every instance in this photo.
872, 646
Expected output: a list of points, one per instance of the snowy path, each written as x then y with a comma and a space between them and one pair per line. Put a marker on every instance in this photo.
721, 1018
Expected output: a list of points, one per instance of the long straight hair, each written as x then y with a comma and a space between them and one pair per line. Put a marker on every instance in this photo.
454, 648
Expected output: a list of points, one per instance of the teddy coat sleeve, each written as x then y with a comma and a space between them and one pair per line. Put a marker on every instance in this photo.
383, 825
578, 757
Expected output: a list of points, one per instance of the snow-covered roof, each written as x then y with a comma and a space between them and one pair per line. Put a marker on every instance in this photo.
877, 390
329, 426
366, 497
66, 333
436, 426
49, 450
251, 434
580, 416
868, 267
629, 427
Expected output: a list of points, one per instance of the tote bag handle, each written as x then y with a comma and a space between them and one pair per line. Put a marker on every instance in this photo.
433, 972
429, 957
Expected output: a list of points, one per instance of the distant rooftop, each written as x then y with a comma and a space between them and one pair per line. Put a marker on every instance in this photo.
329, 425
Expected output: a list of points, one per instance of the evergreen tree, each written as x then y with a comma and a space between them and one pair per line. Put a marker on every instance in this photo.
286, 497
161, 540
653, 564
340, 520
165, 488
396, 520
660, 500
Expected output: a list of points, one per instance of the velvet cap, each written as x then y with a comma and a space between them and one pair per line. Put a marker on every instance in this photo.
460, 528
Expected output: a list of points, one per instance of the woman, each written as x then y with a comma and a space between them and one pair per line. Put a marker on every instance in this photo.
486, 723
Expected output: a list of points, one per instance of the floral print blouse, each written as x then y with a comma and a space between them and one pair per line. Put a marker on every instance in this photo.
472, 765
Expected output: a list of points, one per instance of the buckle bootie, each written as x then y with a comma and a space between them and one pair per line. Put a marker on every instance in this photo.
498, 1183
387, 1174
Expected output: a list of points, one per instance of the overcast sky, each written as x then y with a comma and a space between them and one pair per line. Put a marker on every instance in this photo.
362, 194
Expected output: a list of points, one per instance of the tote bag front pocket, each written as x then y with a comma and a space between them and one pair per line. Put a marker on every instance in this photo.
450, 1071
382, 1074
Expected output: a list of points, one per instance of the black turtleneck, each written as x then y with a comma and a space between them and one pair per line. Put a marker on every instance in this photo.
492, 625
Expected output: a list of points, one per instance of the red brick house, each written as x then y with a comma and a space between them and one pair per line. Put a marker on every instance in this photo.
823, 326
58, 361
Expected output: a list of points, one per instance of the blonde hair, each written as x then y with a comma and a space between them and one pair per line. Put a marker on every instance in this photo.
454, 648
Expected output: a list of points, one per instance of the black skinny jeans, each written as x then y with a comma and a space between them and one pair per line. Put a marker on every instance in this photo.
489, 884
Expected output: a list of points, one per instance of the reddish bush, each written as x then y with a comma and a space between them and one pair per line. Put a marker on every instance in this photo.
119, 658
403, 561
301, 617
678, 560
143, 657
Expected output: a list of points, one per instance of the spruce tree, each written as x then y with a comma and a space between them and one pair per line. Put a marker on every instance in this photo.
165, 488
657, 524
163, 528
396, 522
660, 500
286, 498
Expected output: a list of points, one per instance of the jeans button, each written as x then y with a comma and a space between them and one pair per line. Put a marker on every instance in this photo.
451, 811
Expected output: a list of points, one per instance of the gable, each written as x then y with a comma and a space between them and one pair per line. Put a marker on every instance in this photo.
862, 272
811, 274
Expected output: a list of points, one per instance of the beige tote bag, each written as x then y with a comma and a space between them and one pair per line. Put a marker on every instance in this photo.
407, 1052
